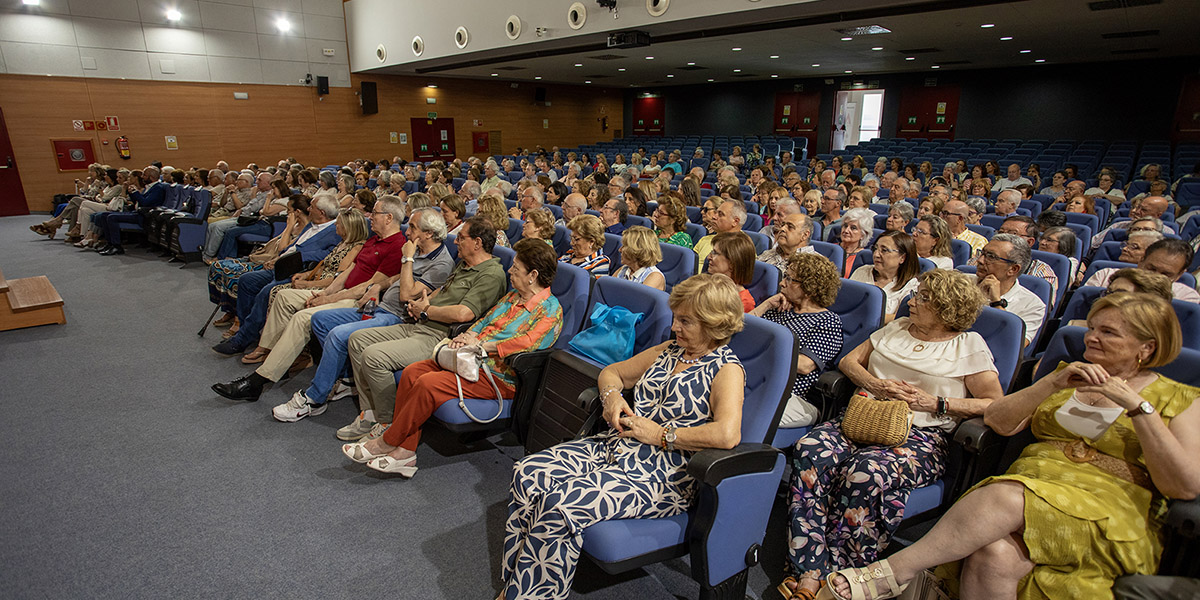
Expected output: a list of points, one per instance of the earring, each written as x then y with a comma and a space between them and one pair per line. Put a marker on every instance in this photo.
1139, 365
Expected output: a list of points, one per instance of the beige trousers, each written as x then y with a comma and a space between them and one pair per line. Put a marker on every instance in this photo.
377, 353
295, 336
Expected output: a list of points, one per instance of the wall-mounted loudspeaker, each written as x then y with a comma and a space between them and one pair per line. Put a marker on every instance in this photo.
370, 102
539, 95
322, 85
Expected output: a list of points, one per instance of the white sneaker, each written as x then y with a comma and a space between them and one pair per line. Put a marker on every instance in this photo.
376, 431
297, 408
355, 430
341, 390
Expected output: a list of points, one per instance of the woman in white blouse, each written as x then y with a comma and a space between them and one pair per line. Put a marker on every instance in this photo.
895, 269
931, 236
640, 256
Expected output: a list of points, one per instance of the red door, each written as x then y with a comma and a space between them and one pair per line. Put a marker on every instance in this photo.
649, 116
12, 194
928, 112
433, 139
796, 115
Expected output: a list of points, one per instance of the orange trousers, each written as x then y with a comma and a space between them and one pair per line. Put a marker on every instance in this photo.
423, 387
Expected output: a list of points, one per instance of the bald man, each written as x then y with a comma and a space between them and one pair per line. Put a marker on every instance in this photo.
573, 206
1151, 206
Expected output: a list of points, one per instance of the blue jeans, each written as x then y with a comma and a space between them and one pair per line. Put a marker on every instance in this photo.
254, 297
228, 248
332, 329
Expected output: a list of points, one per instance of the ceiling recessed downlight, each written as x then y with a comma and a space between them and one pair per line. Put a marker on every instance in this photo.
1007, 38
987, 26
935, 67
1026, 51
877, 48
846, 39
773, 76
816, 64
649, 58
174, 15
773, 56
737, 70
1040, 60
622, 69
911, 58
711, 80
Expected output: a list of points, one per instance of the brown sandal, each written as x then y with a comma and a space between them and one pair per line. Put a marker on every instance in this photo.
795, 592
865, 582
256, 356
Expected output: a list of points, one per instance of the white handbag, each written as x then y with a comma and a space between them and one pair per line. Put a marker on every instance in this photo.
466, 363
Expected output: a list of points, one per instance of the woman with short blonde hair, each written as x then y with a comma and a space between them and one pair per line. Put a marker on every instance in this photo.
640, 255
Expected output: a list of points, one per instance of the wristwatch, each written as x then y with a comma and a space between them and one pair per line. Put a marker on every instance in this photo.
1001, 303
424, 316
668, 438
1144, 408
407, 259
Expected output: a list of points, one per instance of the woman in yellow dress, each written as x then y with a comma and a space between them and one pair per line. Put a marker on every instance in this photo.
1084, 504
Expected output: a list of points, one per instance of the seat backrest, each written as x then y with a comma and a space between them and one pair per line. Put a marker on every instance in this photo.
1109, 251
678, 263
860, 306
765, 282
1061, 266
753, 222
655, 328
761, 241
506, 256
993, 221
983, 230
696, 231
554, 209
960, 252
452, 247
1103, 264
768, 354
572, 286
515, 228
561, 240
833, 252
612, 249
632, 220
203, 202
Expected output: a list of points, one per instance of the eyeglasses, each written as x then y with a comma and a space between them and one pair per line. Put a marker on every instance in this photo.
792, 280
884, 250
921, 298
990, 256
947, 214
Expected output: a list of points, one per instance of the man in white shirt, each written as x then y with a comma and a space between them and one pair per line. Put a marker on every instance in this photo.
1107, 189
1152, 206
784, 206
793, 233
1166, 257
1013, 179
1000, 262
730, 217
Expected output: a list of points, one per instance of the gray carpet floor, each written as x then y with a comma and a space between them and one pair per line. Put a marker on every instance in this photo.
125, 476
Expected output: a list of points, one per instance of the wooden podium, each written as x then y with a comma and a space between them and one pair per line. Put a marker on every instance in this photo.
29, 302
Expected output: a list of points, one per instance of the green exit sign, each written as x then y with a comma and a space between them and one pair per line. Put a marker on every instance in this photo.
432, 115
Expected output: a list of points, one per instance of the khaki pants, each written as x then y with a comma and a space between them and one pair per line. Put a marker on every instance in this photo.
295, 336
287, 302
377, 353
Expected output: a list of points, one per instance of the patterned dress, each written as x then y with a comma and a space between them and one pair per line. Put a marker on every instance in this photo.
559, 492
679, 238
331, 265
1084, 527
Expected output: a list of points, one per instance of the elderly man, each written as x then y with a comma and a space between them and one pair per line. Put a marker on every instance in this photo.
1007, 203
1001, 261
1107, 188
793, 233
617, 185
154, 195
381, 257
1151, 206
785, 160
470, 192
544, 169
1012, 179
729, 217
425, 267
784, 205
474, 286
573, 205
877, 173
956, 213
1024, 228
1166, 257
940, 192
491, 178
832, 202
256, 205
899, 190
828, 179
873, 185
613, 215
756, 178
531, 198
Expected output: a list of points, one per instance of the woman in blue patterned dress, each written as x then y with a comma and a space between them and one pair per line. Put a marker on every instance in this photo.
688, 396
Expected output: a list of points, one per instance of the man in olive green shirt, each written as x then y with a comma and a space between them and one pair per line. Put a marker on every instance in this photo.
476, 284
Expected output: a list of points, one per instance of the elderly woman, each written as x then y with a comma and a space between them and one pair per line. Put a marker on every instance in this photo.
527, 318
688, 396
930, 206
1135, 280
587, 245
345, 190
1083, 504
640, 256
1057, 185
539, 225
223, 275
979, 187
899, 215
857, 227
931, 237
671, 220
1081, 204
894, 270
809, 286
847, 498
1061, 240
733, 256
811, 202
492, 208
83, 228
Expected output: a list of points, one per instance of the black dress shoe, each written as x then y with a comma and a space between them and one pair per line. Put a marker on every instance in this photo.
242, 388
111, 250
102, 246
228, 348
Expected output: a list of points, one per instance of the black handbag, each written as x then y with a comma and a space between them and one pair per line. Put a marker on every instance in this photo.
287, 265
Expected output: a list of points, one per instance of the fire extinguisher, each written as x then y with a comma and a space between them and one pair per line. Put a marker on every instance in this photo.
123, 147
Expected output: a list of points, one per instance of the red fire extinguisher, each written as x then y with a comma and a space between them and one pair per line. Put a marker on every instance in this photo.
123, 147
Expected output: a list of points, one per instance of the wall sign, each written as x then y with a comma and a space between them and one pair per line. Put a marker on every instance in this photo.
912, 120
77, 124
172, 143
393, 138
432, 115
404, 138
113, 123
941, 108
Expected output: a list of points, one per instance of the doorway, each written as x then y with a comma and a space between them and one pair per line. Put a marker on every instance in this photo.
649, 115
12, 194
857, 117
433, 139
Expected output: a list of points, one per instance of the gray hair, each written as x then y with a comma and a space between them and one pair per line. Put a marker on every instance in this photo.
430, 221
904, 208
537, 194
419, 200
1152, 236
1020, 253
787, 206
327, 204
1065, 236
739, 211
246, 176
1010, 192
865, 218
619, 180
951, 165
328, 178
977, 203
386, 176
576, 200
472, 188
1157, 222
391, 205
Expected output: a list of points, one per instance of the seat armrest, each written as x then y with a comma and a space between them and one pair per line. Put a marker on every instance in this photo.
1181, 539
181, 220
711, 467
458, 328
975, 436
831, 392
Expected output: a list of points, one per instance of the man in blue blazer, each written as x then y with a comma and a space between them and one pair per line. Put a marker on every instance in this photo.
154, 195
254, 288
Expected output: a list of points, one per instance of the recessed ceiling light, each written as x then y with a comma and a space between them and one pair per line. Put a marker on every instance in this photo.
649, 58
174, 15
736, 49
1026, 51
538, 77
1040, 60
432, 86
495, 74
691, 64
877, 48
774, 76
737, 70
1006, 38
816, 64
846, 39
711, 80
911, 58
31, 2
935, 67
847, 71
773, 56
587, 81
579, 64
622, 69
283, 25
669, 76
987, 25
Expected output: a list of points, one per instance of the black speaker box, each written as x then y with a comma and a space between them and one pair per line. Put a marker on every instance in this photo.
322, 85
370, 103
539, 94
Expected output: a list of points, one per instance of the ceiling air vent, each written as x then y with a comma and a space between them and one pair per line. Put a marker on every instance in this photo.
691, 68
864, 30
1121, 35
607, 57
1115, 4
913, 51
510, 68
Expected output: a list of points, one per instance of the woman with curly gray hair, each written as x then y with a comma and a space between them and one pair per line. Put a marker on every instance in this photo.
858, 226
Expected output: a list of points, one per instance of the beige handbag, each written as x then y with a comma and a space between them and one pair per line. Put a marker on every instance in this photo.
877, 422
465, 363
268, 252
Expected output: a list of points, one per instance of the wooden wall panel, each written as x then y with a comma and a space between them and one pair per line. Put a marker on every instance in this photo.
279, 121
